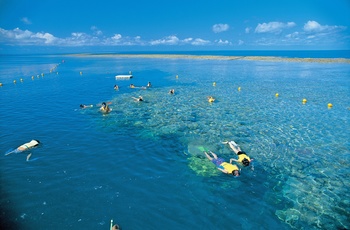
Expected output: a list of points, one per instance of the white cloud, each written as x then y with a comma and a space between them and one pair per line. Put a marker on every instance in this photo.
47, 38
187, 40
170, 40
96, 31
200, 42
117, 37
26, 37
273, 27
315, 27
26, 21
247, 30
240, 42
292, 35
312, 26
218, 28
223, 42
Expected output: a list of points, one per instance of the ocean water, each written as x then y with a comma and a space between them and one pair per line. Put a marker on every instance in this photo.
141, 164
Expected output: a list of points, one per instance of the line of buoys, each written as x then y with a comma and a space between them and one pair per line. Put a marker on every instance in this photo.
38, 76
304, 101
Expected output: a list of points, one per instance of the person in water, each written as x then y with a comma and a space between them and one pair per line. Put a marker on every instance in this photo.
140, 98
211, 99
105, 108
223, 166
85, 106
149, 84
132, 86
172, 91
25, 147
116, 87
243, 158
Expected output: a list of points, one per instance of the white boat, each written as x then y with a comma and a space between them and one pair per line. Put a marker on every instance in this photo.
123, 77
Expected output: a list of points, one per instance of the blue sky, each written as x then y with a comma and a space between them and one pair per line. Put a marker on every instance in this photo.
161, 25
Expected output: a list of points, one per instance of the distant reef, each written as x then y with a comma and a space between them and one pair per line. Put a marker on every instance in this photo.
218, 57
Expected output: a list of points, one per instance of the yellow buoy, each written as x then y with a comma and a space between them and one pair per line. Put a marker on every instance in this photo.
330, 105
239, 88
177, 76
276, 95
81, 73
304, 101
42, 74
14, 81
0, 84
32, 77
21, 79
214, 83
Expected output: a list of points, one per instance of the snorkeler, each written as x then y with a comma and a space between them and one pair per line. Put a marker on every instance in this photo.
223, 166
24, 147
149, 84
211, 99
242, 156
132, 86
85, 106
140, 98
105, 108
172, 91
116, 87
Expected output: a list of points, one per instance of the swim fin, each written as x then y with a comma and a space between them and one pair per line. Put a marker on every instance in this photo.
202, 149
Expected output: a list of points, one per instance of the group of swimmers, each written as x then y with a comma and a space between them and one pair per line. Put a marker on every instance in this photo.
104, 108
226, 167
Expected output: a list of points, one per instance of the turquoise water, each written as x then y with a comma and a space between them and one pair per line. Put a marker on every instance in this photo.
140, 165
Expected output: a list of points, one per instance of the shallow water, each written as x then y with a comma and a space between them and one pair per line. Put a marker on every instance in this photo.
140, 165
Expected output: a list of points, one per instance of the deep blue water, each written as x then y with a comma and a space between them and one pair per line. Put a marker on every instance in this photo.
140, 165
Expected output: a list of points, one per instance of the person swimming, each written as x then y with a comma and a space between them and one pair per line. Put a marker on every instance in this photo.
140, 98
82, 106
211, 99
105, 108
116, 87
149, 84
24, 147
172, 91
223, 166
243, 158
132, 86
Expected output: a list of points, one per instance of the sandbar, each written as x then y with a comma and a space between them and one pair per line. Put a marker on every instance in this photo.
218, 57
